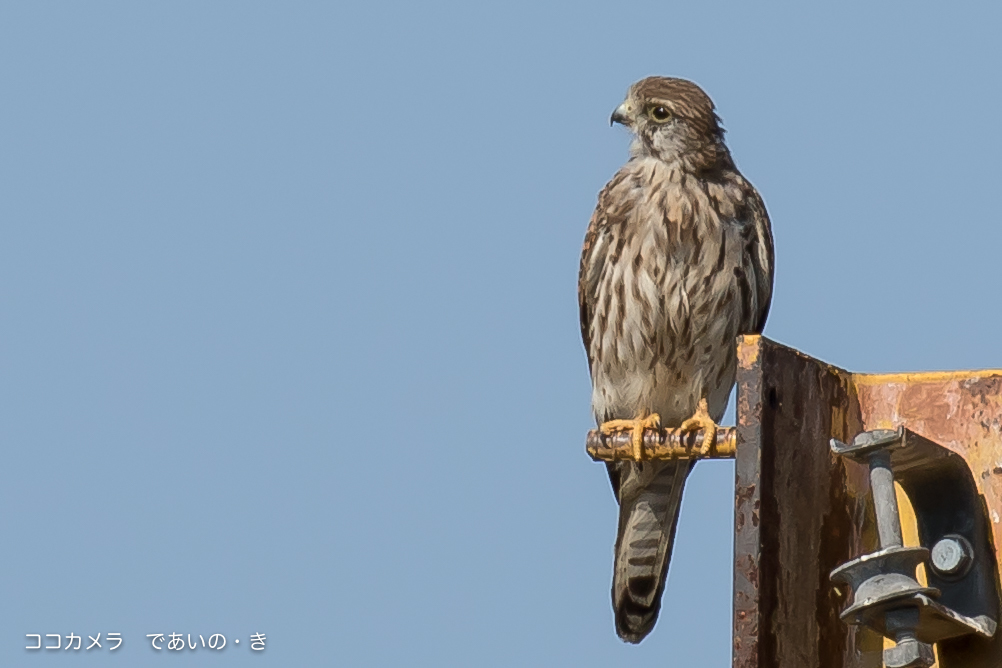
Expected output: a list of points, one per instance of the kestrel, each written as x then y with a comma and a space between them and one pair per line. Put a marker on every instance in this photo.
677, 262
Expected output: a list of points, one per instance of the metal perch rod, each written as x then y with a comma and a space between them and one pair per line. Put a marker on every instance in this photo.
665, 444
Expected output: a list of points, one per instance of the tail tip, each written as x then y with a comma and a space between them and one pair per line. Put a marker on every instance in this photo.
634, 623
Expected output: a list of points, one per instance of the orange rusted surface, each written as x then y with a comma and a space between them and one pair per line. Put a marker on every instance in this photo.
960, 410
800, 511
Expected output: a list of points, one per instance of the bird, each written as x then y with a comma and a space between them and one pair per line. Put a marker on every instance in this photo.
677, 262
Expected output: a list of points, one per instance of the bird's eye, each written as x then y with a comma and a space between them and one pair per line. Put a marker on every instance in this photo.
660, 114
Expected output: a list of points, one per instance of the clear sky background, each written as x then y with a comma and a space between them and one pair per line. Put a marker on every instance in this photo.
288, 325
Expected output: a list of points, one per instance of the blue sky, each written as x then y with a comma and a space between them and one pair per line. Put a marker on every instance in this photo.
288, 326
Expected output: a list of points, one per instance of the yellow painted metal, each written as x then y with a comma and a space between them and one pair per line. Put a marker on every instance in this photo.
909, 534
960, 410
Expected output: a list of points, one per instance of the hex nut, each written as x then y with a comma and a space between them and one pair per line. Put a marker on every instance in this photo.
952, 556
909, 653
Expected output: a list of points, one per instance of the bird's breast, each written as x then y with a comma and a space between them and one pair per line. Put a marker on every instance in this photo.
666, 316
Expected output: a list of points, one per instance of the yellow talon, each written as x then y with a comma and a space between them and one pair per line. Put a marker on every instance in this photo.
636, 427
701, 420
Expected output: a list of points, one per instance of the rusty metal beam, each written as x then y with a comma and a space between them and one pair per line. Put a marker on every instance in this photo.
800, 511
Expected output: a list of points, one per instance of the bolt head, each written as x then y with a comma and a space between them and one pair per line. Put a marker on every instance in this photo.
952, 556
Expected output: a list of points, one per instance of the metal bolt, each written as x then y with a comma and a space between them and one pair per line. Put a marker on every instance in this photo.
952, 556
885, 501
909, 653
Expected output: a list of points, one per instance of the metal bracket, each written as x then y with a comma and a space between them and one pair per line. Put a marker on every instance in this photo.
960, 599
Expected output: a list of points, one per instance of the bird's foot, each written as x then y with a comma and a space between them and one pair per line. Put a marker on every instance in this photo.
701, 420
636, 428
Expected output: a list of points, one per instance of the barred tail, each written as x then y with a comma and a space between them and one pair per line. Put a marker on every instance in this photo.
650, 496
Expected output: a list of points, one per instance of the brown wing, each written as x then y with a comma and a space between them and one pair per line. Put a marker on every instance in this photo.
594, 256
760, 256
586, 284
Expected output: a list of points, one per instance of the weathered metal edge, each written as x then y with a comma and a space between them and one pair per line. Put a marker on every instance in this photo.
747, 506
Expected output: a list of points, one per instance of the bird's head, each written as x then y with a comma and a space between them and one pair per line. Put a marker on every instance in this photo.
672, 120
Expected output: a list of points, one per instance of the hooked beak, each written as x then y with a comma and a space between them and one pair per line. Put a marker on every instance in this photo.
621, 115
